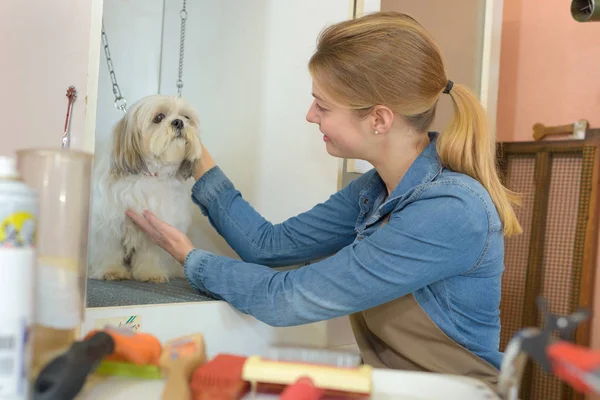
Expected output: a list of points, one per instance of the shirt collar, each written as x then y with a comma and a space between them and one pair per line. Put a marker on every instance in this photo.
424, 169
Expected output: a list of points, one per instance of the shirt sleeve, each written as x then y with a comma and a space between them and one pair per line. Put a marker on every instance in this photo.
317, 233
443, 233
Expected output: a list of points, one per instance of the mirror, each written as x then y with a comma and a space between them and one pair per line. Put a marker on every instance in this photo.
245, 75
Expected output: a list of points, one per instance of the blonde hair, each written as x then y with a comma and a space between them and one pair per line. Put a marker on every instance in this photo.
389, 58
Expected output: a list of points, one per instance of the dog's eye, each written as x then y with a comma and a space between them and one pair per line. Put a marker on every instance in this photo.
158, 118
186, 117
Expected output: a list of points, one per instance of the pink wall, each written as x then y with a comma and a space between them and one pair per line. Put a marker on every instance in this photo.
549, 73
550, 68
45, 49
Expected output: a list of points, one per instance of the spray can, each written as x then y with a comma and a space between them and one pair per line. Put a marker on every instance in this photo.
18, 216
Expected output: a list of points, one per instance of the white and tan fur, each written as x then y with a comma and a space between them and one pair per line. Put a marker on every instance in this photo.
146, 169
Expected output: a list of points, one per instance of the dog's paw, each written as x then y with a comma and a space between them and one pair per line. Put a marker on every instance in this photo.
147, 266
158, 279
144, 276
111, 273
117, 275
151, 275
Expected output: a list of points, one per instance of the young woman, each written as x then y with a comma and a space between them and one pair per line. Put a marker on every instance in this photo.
416, 245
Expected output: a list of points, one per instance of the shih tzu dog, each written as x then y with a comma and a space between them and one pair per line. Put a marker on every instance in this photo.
155, 149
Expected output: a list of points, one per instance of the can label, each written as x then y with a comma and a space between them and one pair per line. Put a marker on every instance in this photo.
18, 215
17, 229
13, 346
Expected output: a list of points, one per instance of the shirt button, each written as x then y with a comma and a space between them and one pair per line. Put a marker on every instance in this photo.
366, 201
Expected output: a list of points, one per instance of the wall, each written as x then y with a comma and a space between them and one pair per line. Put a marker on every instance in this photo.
292, 152
134, 32
462, 49
46, 48
548, 74
549, 68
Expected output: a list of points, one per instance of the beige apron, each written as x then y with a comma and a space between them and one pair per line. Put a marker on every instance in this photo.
400, 335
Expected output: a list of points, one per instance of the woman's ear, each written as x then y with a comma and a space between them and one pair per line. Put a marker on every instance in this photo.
382, 119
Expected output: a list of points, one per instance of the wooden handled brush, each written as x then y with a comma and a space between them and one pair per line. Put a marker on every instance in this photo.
178, 361
575, 130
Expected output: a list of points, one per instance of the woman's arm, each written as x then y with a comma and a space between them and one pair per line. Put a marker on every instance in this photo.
315, 234
205, 163
437, 236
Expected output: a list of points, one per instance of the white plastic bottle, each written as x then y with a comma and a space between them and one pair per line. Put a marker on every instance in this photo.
18, 216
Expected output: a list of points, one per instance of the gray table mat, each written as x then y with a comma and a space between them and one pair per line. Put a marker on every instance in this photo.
133, 293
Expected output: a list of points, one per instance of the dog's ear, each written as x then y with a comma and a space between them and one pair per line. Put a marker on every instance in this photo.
127, 152
187, 169
193, 152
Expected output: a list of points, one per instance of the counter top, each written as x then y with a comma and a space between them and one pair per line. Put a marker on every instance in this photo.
388, 385
227, 330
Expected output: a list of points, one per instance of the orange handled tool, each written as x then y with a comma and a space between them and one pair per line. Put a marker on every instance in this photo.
576, 365
132, 347
65, 376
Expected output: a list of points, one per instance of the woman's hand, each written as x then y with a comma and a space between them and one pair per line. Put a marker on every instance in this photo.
172, 240
205, 163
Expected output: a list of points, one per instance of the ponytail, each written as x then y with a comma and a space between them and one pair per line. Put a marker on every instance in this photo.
469, 148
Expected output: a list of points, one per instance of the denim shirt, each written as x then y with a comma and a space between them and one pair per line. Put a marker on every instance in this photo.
443, 243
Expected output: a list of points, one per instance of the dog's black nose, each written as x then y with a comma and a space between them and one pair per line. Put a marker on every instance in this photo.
177, 123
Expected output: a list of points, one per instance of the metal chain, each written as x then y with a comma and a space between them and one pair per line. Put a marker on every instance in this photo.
183, 14
120, 102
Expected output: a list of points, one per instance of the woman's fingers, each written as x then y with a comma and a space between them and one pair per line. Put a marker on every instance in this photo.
153, 221
175, 242
144, 224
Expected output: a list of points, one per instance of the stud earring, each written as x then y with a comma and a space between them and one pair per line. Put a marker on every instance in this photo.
376, 132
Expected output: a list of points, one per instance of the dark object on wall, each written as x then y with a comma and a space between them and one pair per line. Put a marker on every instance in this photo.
585, 10
556, 255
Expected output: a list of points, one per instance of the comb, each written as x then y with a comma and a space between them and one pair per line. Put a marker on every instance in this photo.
342, 359
271, 376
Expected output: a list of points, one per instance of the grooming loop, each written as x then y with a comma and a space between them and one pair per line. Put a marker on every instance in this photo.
120, 101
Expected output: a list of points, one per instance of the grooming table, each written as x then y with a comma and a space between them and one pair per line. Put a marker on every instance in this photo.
134, 293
